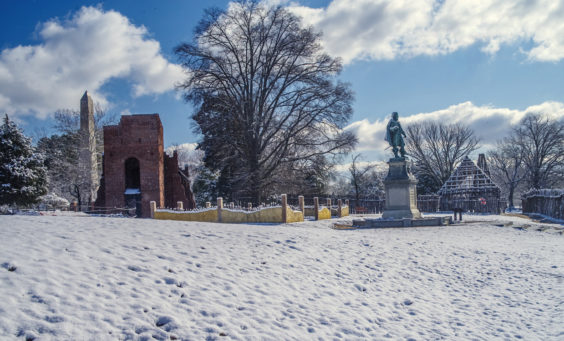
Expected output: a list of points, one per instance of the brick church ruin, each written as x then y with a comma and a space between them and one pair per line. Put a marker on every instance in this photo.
136, 169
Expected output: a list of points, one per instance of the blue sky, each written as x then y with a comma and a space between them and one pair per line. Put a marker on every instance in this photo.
483, 63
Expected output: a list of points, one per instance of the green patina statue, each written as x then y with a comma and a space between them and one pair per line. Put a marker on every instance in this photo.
394, 134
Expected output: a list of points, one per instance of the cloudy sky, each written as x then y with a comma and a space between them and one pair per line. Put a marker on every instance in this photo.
485, 63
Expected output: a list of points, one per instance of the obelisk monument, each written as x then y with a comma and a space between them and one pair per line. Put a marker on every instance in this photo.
88, 162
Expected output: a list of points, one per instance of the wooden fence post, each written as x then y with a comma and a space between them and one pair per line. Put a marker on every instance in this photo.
153, 208
284, 207
219, 207
250, 206
208, 204
316, 208
340, 204
179, 205
329, 203
301, 204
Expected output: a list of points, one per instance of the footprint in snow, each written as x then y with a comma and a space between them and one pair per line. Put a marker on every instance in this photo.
360, 287
9, 267
54, 319
166, 323
134, 268
169, 280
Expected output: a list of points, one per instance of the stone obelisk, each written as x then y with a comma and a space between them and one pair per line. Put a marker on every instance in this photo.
88, 158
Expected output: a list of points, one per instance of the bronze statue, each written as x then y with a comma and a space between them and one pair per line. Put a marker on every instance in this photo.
394, 134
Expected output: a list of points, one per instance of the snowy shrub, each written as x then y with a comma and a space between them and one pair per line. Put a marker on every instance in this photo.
53, 201
5, 209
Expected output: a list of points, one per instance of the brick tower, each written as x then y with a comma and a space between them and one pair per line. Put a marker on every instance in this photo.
134, 163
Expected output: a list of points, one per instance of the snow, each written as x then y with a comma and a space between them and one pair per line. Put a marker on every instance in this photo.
129, 191
94, 278
545, 192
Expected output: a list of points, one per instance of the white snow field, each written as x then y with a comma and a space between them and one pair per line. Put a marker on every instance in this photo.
92, 278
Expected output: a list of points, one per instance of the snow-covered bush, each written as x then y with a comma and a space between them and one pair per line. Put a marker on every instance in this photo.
53, 201
5, 209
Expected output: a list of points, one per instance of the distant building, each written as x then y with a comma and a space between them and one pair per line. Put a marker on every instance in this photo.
136, 169
471, 189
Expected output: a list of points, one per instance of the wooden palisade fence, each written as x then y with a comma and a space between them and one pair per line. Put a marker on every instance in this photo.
549, 202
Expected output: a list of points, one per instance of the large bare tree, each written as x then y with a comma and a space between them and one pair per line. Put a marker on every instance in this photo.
266, 95
507, 167
437, 149
541, 140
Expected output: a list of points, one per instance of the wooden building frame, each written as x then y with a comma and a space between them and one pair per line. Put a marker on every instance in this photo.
471, 189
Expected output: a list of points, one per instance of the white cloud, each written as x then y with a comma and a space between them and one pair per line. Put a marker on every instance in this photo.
489, 123
82, 53
386, 29
188, 147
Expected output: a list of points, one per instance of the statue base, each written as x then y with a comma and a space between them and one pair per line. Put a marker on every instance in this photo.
401, 191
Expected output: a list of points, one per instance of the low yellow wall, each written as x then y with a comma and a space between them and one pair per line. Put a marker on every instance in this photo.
267, 215
309, 211
203, 216
294, 216
324, 213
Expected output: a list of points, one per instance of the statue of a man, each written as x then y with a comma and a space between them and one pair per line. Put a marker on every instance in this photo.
394, 134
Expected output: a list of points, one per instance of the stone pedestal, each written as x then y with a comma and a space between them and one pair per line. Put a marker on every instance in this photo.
401, 191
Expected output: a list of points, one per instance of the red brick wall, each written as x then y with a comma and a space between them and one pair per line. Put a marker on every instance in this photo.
176, 189
141, 137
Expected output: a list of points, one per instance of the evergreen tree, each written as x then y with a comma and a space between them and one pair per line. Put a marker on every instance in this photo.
22, 172
205, 186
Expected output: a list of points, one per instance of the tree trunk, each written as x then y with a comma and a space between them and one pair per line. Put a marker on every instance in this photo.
510, 197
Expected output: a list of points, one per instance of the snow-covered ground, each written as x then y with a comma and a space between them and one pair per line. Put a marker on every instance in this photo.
92, 278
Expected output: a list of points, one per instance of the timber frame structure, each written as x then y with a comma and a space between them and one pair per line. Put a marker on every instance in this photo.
471, 189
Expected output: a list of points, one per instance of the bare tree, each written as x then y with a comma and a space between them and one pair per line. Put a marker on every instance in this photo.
67, 177
67, 121
437, 149
541, 140
265, 93
358, 177
507, 167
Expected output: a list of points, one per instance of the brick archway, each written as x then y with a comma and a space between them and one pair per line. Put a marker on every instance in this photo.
132, 174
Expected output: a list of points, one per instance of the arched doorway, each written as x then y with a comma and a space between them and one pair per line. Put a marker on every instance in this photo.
133, 185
